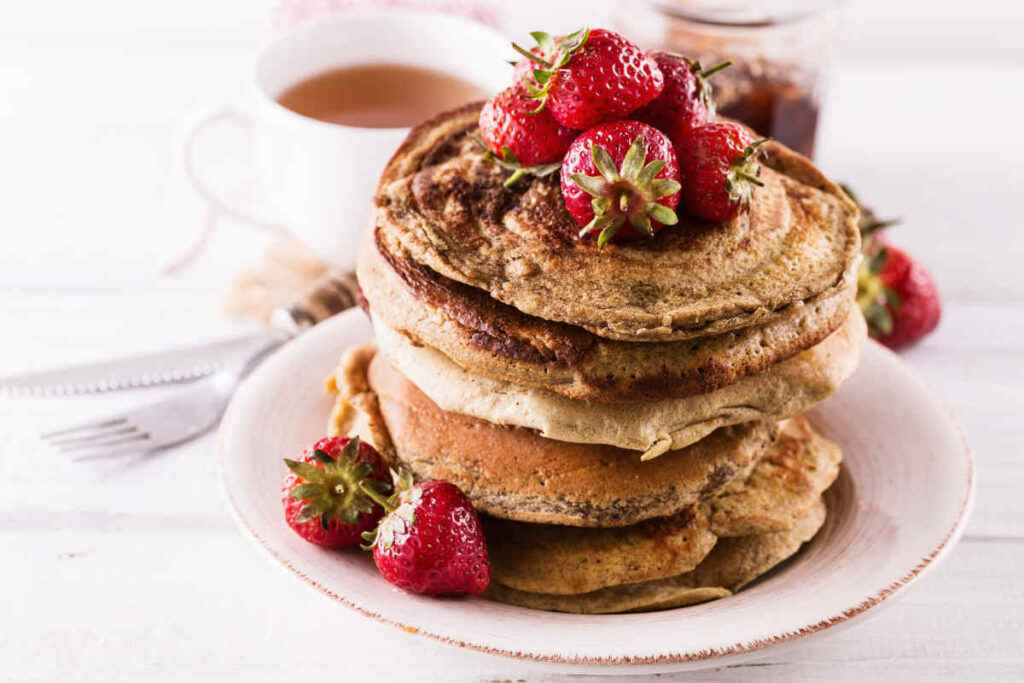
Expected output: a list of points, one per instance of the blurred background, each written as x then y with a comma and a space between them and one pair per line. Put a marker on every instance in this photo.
917, 115
94, 96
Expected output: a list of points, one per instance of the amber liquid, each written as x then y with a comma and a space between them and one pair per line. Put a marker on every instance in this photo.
778, 108
378, 95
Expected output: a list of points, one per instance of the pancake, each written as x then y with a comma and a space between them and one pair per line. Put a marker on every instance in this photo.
787, 482
544, 558
740, 525
782, 489
441, 203
513, 473
651, 427
356, 411
731, 565
741, 560
495, 340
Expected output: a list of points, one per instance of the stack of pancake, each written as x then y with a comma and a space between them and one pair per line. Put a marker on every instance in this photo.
627, 420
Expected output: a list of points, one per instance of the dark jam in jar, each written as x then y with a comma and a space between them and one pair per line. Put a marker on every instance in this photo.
770, 101
779, 50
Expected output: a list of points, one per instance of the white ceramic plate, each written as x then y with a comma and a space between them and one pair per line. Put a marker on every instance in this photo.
900, 504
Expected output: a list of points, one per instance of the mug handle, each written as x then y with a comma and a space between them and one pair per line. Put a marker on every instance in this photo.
224, 114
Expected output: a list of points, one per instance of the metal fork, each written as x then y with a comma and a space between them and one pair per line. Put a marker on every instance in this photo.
190, 413
197, 408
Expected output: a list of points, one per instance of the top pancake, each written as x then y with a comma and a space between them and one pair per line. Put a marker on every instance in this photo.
442, 203
492, 339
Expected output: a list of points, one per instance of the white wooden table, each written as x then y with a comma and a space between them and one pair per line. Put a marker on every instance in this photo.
132, 570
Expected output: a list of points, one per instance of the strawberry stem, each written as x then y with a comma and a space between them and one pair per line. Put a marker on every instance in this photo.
707, 73
376, 497
875, 226
752, 147
515, 177
751, 178
530, 56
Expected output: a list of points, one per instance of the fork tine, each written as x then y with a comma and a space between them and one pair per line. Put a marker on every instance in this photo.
131, 448
96, 435
155, 425
97, 424
138, 440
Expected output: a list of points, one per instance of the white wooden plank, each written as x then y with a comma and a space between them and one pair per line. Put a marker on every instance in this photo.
49, 328
975, 364
135, 604
956, 192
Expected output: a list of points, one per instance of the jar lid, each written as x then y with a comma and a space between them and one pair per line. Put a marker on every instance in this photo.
740, 13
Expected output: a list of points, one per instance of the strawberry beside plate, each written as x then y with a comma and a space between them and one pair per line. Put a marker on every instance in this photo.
899, 506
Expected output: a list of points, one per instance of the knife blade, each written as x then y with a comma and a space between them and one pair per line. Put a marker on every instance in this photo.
143, 370
333, 293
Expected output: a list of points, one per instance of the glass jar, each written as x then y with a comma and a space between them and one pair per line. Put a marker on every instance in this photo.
780, 52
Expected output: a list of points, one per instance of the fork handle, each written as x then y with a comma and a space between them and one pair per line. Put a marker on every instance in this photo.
333, 293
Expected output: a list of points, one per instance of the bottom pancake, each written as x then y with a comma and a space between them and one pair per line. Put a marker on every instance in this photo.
783, 488
732, 564
559, 559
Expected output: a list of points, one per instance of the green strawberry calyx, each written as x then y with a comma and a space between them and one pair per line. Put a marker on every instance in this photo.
744, 174
629, 193
508, 161
869, 223
555, 54
333, 488
877, 301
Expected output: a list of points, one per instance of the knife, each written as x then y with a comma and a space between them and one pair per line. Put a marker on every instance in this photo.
330, 295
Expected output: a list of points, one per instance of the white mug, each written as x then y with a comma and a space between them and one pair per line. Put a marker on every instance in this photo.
317, 179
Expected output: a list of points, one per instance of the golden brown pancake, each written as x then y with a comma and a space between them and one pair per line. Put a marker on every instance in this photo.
768, 510
442, 203
650, 427
492, 339
787, 482
545, 558
513, 473
732, 564
356, 410
784, 486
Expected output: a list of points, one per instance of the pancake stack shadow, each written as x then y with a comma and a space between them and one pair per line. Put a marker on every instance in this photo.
628, 420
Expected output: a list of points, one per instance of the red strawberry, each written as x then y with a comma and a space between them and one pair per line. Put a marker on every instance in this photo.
721, 170
686, 101
524, 141
591, 76
621, 179
897, 295
431, 541
323, 495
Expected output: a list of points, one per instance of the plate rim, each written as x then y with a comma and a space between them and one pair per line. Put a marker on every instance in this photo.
846, 617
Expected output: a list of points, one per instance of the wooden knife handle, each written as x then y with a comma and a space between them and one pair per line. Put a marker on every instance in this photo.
333, 293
